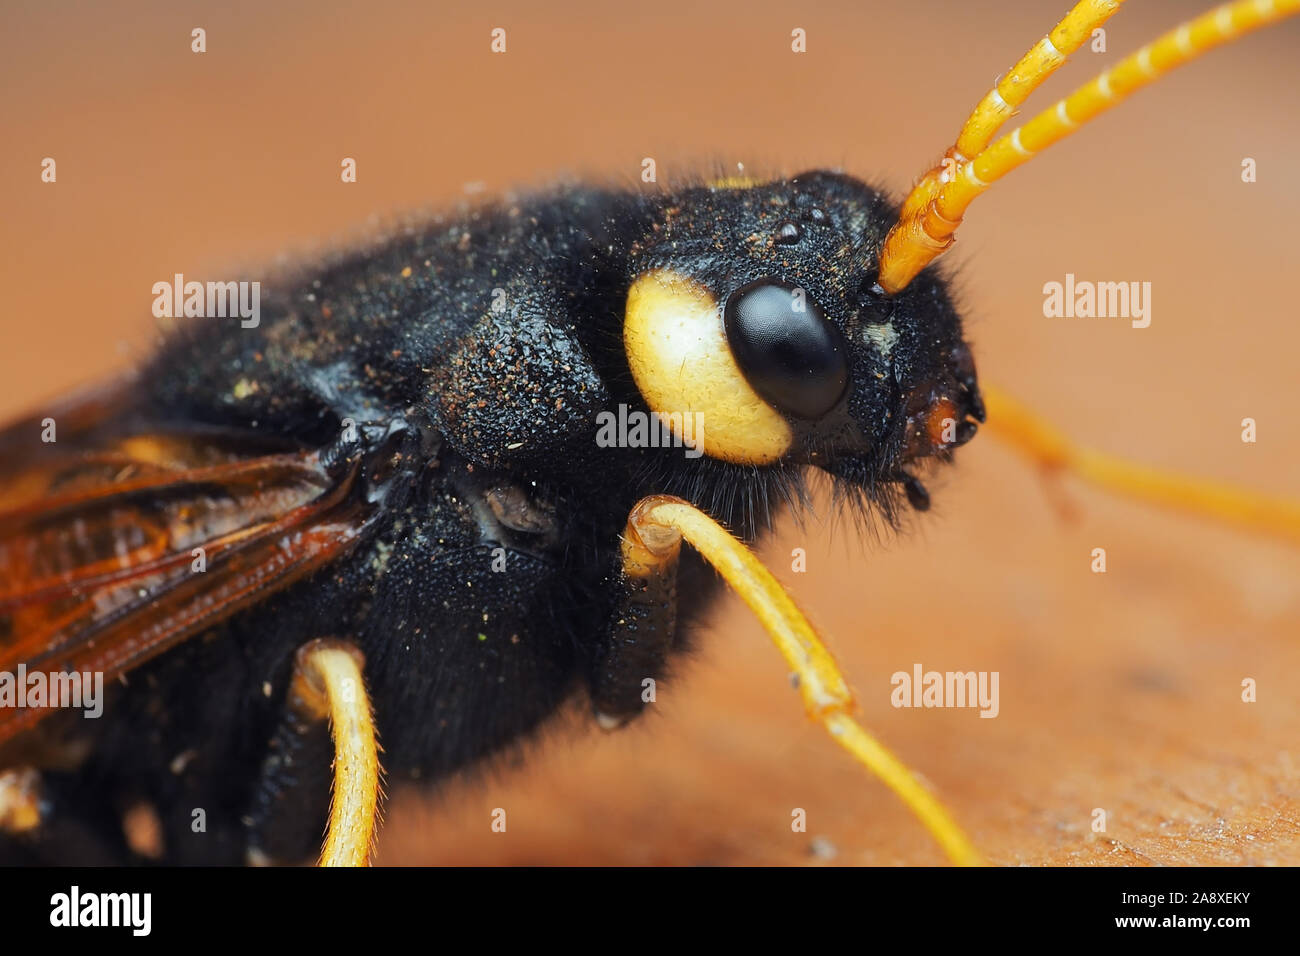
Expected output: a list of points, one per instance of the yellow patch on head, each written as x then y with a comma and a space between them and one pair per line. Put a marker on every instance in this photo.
678, 352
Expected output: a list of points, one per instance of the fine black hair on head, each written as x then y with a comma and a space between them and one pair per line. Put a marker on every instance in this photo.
747, 499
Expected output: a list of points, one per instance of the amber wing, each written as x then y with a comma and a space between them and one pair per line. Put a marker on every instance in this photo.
117, 546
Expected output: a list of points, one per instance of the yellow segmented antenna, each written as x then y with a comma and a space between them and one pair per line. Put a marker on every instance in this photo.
921, 236
1042, 60
1012, 89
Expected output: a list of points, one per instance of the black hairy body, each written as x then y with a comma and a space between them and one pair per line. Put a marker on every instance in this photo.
464, 361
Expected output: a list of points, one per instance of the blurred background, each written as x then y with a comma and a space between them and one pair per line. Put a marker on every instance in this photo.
1119, 691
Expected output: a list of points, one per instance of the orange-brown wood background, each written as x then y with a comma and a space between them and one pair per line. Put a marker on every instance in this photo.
1119, 691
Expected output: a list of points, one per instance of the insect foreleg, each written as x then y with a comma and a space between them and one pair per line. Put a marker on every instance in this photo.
642, 629
655, 529
1044, 444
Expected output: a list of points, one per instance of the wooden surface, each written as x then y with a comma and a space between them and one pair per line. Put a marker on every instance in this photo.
1118, 691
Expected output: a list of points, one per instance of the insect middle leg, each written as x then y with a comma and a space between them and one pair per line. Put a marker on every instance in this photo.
327, 685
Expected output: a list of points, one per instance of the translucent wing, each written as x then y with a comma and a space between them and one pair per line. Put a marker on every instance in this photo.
115, 548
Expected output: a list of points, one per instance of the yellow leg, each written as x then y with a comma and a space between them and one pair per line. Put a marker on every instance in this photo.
20, 800
655, 529
1011, 421
328, 683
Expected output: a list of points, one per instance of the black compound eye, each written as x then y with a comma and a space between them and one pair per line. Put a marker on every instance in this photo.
786, 348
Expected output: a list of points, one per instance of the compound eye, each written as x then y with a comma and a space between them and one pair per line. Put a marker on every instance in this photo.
787, 349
